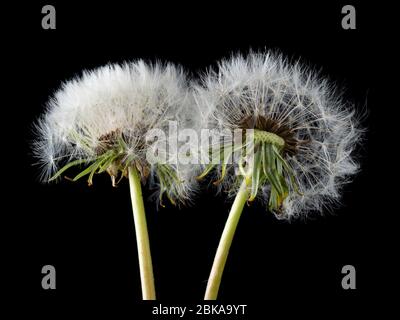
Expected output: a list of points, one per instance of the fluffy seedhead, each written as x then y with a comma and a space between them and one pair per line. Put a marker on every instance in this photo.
304, 133
100, 121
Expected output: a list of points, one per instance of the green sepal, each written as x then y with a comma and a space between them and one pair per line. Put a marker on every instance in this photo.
67, 166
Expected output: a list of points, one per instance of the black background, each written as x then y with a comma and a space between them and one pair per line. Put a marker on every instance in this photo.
88, 234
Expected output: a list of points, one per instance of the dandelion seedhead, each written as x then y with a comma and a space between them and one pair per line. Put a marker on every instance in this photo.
304, 133
100, 120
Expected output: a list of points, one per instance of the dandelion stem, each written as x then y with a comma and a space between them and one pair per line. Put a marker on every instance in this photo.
142, 237
225, 242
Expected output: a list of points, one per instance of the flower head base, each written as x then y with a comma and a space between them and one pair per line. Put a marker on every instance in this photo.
260, 162
285, 137
101, 119
303, 133
268, 138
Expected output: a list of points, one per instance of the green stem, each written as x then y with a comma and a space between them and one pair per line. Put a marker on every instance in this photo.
221, 256
142, 237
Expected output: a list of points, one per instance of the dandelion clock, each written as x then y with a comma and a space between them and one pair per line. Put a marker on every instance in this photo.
101, 121
296, 140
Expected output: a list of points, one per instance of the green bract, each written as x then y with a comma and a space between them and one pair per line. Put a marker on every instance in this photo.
260, 165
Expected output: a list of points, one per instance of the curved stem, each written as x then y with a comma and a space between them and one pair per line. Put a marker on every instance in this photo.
221, 256
142, 237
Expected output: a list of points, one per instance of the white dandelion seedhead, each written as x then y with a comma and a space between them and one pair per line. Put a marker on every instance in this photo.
304, 133
101, 118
